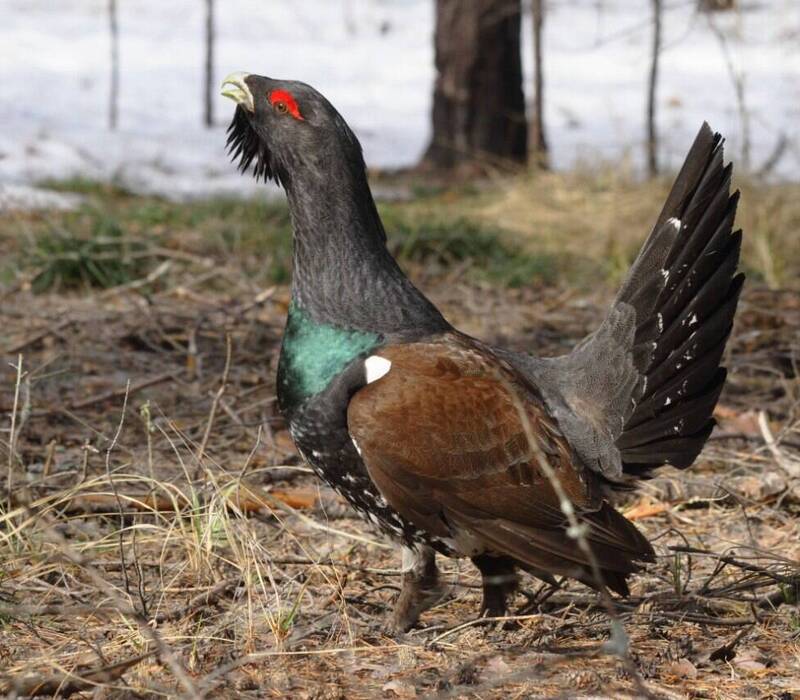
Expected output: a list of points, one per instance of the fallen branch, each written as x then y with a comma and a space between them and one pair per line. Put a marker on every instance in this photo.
65, 684
247, 499
120, 393
202, 600
789, 465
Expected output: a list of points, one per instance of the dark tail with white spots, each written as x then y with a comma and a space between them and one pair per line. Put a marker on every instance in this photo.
684, 289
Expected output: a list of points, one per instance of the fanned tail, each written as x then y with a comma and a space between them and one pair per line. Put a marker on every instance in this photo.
684, 290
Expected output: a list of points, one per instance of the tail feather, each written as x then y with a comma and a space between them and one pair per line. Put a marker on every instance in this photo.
640, 391
682, 327
679, 451
696, 310
714, 328
683, 417
679, 386
718, 210
616, 543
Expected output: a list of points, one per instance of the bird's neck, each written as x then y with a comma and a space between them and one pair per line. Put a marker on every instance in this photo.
343, 274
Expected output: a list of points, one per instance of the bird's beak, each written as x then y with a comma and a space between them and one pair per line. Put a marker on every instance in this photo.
235, 87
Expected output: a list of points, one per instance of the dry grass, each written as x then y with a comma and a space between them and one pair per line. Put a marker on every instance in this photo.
160, 537
595, 220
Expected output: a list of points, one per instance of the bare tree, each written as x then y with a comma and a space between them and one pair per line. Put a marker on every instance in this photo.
652, 133
208, 91
478, 101
715, 5
536, 138
738, 78
113, 97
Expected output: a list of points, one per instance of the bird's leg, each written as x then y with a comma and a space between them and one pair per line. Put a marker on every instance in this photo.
420, 590
499, 581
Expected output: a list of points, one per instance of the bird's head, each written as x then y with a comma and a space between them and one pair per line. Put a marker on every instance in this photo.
282, 127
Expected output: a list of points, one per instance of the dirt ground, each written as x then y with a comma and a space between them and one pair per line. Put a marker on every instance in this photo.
160, 537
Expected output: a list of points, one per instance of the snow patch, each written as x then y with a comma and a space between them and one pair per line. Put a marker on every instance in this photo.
27, 198
374, 60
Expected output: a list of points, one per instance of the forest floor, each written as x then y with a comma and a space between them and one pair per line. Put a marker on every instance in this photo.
159, 535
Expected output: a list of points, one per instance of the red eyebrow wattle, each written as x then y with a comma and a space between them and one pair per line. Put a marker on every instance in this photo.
288, 99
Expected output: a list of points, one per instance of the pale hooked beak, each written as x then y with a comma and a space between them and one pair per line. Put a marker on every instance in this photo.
235, 87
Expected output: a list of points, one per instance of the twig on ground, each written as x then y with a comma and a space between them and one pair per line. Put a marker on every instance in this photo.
69, 683
789, 465
129, 390
212, 412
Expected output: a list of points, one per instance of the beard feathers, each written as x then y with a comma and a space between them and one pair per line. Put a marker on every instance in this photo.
246, 148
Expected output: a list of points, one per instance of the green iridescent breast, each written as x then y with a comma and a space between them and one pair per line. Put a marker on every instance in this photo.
312, 354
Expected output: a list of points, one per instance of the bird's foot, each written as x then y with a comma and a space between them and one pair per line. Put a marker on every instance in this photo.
413, 600
420, 590
499, 614
499, 582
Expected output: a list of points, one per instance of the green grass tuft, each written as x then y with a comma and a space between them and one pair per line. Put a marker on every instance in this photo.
487, 253
103, 257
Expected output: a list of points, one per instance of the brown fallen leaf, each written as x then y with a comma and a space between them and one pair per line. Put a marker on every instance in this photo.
403, 689
250, 499
745, 422
760, 488
646, 509
681, 669
750, 661
496, 667
283, 442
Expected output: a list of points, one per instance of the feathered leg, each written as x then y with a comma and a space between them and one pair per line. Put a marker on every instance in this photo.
499, 581
420, 588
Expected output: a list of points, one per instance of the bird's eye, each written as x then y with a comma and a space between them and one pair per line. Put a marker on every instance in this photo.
283, 102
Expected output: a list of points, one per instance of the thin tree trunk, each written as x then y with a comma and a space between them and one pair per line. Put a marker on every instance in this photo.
208, 92
716, 5
738, 78
478, 102
114, 90
536, 139
652, 133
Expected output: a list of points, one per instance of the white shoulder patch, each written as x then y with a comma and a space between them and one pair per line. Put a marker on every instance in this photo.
676, 223
376, 367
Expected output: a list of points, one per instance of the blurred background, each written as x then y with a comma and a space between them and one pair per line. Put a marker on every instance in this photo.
127, 90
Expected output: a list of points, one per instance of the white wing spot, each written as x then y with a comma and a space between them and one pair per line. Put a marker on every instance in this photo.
376, 367
676, 223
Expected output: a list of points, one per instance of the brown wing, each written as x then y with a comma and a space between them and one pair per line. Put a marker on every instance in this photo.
442, 437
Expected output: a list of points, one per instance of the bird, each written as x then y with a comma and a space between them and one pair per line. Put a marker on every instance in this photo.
449, 445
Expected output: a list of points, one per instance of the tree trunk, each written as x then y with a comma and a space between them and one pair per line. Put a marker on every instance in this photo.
113, 95
478, 102
652, 134
716, 5
208, 92
536, 138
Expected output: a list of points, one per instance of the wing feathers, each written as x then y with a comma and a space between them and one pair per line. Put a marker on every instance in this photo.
485, 491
